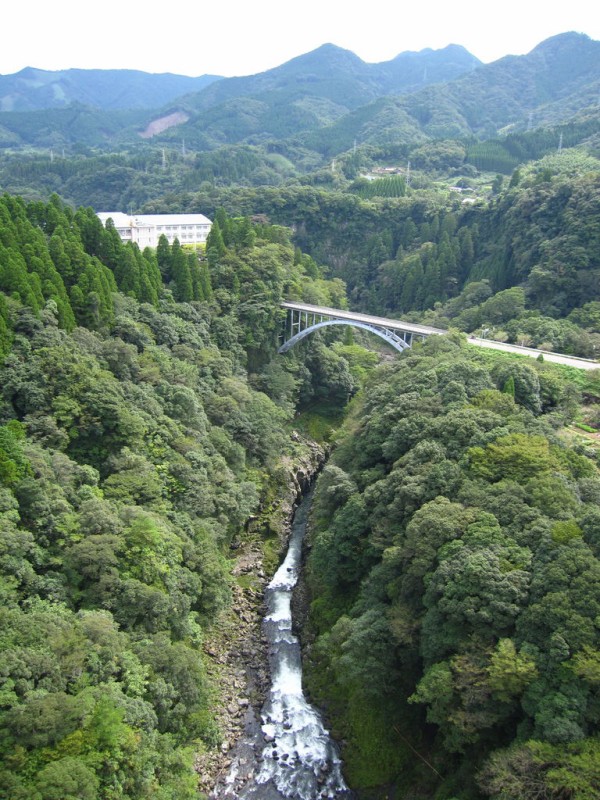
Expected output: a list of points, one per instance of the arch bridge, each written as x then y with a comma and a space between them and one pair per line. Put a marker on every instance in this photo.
303, 319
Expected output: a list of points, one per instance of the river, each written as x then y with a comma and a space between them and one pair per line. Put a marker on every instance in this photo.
288, 753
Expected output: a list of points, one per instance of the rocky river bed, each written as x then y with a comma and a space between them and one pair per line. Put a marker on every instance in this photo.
285, 750
274, 743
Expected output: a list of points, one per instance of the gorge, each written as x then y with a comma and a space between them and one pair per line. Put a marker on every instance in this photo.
289, 754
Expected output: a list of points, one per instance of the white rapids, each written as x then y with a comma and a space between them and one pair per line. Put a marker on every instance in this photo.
298, 759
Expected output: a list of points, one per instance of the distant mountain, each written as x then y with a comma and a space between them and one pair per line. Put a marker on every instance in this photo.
326, 100
507, 91
310, 91
411, 71
35, 89
340, 76
557, 80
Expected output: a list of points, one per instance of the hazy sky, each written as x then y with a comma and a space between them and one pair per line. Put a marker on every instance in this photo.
242, 37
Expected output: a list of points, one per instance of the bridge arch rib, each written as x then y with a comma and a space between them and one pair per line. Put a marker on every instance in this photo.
388, 336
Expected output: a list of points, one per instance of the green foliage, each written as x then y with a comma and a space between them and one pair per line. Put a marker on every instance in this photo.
510, 672
455, 551
133, 448
517, 457
13, 463
454, 582
535, 767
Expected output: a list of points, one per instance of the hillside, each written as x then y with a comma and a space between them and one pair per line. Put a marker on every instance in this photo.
35, 89
342, 77
305, 93
75, 127
324, 101
455, 571
553, 82
310, 91
152, 438
135, 449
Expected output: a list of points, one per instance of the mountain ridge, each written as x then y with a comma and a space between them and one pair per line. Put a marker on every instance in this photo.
550, 84
374, 79
329, 98
33, 89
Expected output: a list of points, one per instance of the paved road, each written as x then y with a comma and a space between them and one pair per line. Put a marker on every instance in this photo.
427, 330
556, 358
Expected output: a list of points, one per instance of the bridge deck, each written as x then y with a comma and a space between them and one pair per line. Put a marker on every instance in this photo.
392, 324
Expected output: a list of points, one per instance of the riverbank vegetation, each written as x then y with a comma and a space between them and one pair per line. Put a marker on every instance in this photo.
454, 567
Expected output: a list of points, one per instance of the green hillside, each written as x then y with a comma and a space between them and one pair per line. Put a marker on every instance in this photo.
454, 569
134, 449
327, 101
558, 79
152, 439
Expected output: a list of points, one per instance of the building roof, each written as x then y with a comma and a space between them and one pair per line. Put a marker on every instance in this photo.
122, 220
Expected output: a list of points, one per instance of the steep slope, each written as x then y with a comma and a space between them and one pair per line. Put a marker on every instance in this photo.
34, 89
508, 90
329, 98
410, 71
328, 71
308, 92
75, 125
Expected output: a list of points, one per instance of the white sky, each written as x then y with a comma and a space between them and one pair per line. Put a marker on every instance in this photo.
242, 37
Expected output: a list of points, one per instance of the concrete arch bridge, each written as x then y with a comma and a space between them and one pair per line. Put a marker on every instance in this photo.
303, 319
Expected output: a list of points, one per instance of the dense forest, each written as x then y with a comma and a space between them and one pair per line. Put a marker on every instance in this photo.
143, 422
148, 426
523, 264
455, 571
145, 419
515, 255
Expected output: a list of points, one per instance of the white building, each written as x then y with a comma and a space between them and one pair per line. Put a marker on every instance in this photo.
146, 229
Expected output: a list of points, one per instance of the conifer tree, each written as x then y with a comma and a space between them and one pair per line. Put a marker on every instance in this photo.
163, 257
180, 271
205, 284
215, 245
